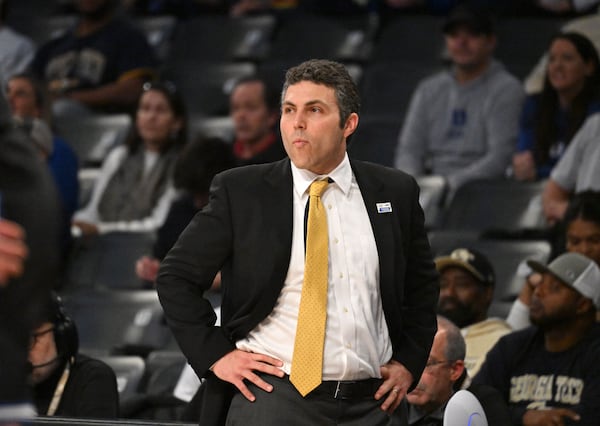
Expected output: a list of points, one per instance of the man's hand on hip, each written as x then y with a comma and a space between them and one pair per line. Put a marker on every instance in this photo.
237, 366
396, 381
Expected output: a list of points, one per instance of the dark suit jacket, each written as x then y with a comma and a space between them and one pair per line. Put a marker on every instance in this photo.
246, 233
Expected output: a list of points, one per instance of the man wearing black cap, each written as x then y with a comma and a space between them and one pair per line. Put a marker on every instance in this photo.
466, 291
549, 373
462, 123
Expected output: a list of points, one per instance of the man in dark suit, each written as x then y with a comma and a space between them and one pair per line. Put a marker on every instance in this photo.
381, 283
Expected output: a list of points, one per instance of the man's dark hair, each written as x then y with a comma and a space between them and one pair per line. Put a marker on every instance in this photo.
331, 74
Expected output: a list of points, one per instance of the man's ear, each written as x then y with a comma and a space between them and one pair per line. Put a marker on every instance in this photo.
351, 124
584, 305
456, 370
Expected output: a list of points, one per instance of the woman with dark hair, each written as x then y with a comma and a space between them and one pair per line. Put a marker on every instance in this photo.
580, 233
135, 189
198, 163
551, 118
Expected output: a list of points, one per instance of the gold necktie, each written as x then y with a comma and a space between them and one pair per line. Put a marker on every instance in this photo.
307, 361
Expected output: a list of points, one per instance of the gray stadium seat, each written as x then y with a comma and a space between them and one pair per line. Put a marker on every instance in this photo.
109, 320
93, 137
107, 261
501, 205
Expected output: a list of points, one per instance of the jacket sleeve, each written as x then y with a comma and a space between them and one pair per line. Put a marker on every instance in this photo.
188, 271
420, 283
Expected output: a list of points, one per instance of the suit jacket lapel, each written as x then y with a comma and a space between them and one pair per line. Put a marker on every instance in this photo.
279, 217
373, 192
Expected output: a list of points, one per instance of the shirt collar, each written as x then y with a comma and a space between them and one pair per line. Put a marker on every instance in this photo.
341, 175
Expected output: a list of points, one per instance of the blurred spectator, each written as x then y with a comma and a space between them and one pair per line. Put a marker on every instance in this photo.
26, 100
28, 257
16, 50
134, 189
548, 373
562, 7
444, 7
550, 119
248, 7
444, 374
194, 170
254, 109
579, 233
462, 124
65, 382
467, 283
588, 26
576, 171
444, 368
99, 65
180, 8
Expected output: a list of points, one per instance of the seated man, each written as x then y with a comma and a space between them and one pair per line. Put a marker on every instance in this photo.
462, 124
254, 109
99, 65
443, 375
26, 100
576, 171
548, 373
467, 283
65, 382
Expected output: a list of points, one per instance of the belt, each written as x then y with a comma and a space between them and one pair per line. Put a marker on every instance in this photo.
356, 389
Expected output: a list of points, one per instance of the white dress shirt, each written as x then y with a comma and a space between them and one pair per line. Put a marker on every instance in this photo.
357, 341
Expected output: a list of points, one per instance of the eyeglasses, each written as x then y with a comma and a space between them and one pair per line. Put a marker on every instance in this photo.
165, 85
33, 338
432, 362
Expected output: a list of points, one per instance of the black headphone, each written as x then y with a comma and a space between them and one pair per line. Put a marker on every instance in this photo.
66, 337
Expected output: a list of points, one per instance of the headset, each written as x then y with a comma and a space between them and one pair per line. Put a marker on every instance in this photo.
66, 336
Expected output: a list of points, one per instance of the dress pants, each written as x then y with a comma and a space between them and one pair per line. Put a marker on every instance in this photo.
285, 406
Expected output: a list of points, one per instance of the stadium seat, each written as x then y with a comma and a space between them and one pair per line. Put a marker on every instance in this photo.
218, 38
522, 40
221, 127
42, 28
375, 140
344, 39
432, 198
499, 205
205, 86
105, 320
159, 31
415, 39
107, 261
387, 87
129, 371
93, 137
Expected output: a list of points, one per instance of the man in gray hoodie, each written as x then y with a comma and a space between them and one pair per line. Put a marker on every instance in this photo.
462, 123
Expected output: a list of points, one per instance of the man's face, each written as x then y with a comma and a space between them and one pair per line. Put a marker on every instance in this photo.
583, 237
463, 299
42, 350
435, 386
252, 119
469, 50
21, 98
553, 302
310, 127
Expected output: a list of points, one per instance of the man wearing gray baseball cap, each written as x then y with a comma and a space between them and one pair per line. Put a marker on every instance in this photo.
549, 373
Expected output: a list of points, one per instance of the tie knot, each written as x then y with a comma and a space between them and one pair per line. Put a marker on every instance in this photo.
318, 187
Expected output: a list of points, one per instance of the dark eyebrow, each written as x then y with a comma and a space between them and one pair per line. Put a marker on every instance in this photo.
309, 103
